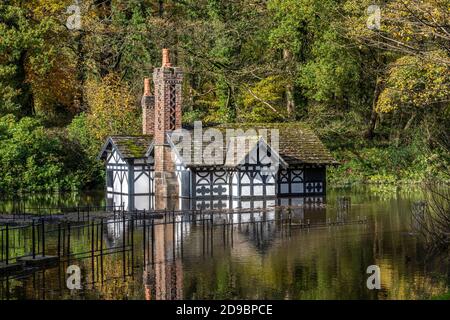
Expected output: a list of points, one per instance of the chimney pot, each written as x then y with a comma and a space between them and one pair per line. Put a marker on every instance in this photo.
166, 58
147, 87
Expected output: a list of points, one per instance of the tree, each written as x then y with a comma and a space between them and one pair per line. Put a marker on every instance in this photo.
112, 109
415, 84
33, 158
30, 51
270, 92
411, 47
411, 27
223, 45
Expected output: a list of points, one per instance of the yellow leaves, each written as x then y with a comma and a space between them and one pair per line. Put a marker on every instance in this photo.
415, 82
112, 108
56, 87
269, 89
260, 100
386, 101
44, 8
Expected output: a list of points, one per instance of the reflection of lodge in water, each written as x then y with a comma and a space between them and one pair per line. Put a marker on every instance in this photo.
213, 203
254, 230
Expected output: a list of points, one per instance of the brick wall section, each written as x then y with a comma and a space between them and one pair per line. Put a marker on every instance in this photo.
148, 109
148, 115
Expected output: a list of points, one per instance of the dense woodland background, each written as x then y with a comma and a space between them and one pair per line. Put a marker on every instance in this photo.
379, 99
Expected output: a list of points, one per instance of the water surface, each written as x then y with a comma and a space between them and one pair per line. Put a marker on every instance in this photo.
268, 260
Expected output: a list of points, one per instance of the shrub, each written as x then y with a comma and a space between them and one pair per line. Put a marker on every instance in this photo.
33, 158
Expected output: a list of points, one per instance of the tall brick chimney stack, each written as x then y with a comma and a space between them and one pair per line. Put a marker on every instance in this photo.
148, 109
168, 94
167, 80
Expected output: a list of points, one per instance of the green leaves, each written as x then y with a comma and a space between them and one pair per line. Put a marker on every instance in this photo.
268, 91
244, 60
33, 158
27, 48
332, 73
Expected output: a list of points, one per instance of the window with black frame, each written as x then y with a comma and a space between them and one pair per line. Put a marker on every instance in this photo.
109, 178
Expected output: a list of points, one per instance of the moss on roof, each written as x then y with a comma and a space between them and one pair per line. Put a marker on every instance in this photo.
132, 147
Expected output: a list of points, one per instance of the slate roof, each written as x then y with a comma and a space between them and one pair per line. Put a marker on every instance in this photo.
297, 144
129, 147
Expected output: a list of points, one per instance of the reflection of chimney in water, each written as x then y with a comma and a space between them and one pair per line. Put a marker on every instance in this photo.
168, 274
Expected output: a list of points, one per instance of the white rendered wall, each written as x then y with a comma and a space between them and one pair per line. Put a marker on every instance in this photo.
142, 184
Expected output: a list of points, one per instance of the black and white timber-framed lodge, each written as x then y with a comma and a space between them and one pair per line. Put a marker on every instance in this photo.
144, 170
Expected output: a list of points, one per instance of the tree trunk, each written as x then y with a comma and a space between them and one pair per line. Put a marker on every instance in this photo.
161, 8
290, 101
231, 105
372, 123
374, 115
397, 130
79, 101
410, 121
26, 98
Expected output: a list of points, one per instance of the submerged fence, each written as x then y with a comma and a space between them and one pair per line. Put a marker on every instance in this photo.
42, 237
82, 212
128, 240
92, 235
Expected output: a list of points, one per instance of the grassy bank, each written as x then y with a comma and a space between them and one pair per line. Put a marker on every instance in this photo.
445, 296
380, 164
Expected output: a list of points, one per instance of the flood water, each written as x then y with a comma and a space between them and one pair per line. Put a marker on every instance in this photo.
265, 259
